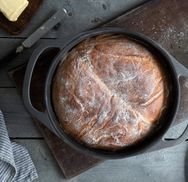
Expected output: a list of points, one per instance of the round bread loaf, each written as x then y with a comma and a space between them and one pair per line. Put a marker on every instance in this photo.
108, 92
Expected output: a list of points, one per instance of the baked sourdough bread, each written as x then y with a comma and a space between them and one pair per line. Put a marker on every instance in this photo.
108, 92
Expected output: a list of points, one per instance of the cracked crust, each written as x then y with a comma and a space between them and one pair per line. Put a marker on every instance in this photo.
109, 92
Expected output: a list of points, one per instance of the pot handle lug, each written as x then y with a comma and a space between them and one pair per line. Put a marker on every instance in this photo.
164, 142
181, 70
41, 116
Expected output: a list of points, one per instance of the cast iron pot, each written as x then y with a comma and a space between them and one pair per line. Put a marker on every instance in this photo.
155, 140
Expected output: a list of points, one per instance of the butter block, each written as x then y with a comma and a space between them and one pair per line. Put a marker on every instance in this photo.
12, 9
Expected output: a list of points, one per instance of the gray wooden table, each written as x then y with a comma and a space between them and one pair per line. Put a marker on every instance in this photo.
169, 165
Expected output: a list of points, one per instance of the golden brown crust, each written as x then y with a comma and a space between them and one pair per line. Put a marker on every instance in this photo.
108, 92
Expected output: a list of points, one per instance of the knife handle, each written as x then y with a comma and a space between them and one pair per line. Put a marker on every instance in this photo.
43, 29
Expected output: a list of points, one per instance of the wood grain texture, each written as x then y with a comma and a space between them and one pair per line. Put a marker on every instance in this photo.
20, 126
17, 27
8, 98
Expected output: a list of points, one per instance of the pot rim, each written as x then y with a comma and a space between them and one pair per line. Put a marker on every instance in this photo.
49, 81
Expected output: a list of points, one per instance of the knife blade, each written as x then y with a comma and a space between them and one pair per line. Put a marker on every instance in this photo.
35, 36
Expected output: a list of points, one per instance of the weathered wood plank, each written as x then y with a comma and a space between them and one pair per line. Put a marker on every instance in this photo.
18, 120
47, 167
8, 44
89, 14
169, 165
10, 102
20, 126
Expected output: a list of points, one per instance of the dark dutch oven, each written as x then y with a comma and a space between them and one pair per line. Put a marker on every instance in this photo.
155, 140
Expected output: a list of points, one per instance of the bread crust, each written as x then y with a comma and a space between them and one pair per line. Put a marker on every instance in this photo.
108, 92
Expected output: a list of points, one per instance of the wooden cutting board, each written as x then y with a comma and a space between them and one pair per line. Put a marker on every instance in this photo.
17, 27
166, 22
